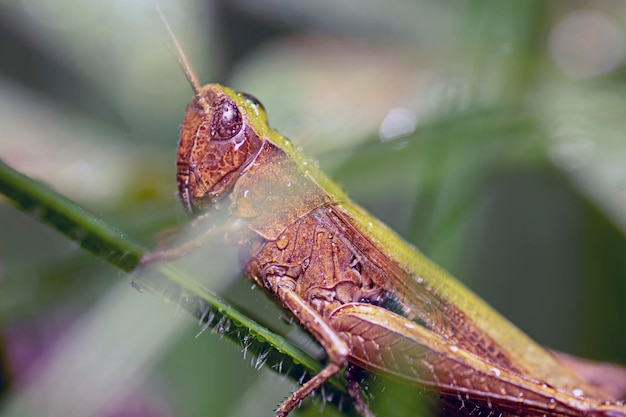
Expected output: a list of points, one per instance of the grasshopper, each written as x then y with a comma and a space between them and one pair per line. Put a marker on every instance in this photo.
369, 298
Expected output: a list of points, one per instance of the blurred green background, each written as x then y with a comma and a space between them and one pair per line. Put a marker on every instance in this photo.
488, 133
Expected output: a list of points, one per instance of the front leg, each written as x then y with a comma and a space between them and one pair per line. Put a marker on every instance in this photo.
333, 343
202, 229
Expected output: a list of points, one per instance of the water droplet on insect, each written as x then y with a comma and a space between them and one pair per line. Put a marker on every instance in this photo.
239, 142
495, 371
454, 348
282, 242
288, 184
552, 404
245, 193
577, 392
520, 397
420, 280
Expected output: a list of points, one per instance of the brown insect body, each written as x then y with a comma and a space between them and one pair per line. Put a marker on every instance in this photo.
365, 295
311, 249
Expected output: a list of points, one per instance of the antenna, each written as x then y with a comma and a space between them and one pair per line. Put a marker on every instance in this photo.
180, 56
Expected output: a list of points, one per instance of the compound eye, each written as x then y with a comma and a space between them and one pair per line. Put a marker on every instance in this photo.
226, 121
